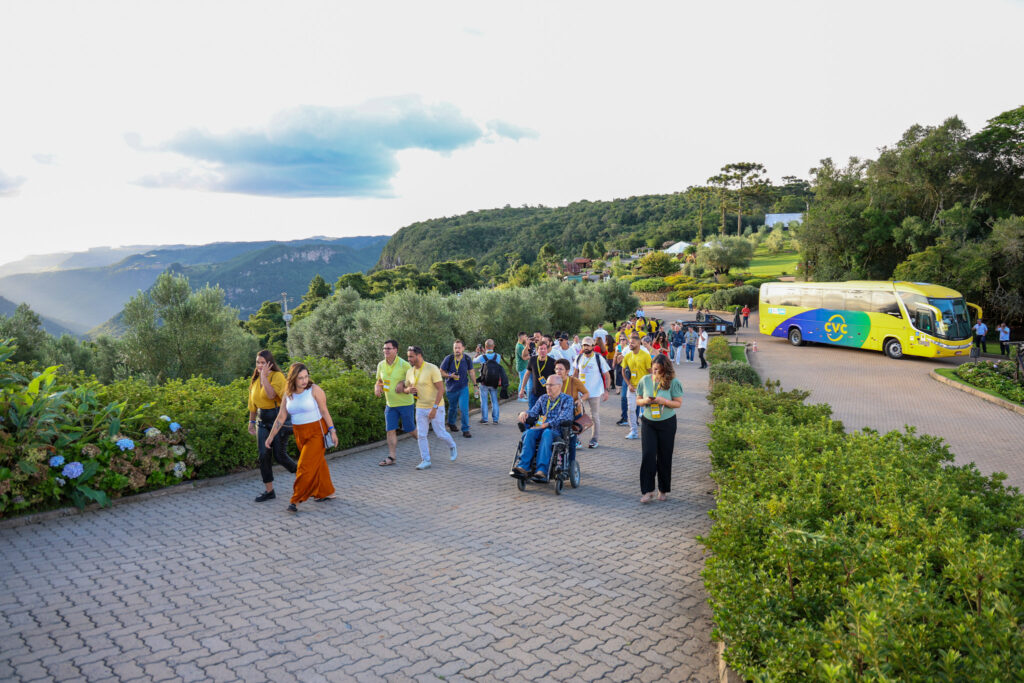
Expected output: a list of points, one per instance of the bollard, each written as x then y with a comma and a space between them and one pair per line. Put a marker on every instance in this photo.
755, 346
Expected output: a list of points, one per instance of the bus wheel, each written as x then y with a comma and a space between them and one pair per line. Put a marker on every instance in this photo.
893, 349
796, 338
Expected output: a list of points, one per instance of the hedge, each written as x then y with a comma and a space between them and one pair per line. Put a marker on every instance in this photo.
998, 376
858, 556
736, 371
718, 351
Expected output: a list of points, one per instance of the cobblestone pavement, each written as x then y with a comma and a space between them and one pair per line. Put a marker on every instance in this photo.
867, 389
446, 574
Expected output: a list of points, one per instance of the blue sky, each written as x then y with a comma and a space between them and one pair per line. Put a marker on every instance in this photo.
160, 122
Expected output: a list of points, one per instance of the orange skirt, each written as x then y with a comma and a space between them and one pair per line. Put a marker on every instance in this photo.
312, 478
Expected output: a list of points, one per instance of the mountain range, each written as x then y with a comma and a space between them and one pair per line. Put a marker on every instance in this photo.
82, 298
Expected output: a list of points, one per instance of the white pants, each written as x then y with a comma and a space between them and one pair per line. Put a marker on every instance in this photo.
631, 410
595, 414
423, 424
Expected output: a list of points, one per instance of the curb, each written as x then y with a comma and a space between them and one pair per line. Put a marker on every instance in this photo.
725, 674
39, 517
977, 392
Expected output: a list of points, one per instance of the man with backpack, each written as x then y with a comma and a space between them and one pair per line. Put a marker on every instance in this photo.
592, 370
492, 377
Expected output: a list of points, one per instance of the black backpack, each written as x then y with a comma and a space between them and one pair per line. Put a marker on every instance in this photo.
490, 373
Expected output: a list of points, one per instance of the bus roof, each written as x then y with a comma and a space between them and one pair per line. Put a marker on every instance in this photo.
923, 288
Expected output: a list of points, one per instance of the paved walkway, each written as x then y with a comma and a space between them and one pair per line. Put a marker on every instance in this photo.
448, 574
868, 389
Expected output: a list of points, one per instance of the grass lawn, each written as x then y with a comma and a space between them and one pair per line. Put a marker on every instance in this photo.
764, 263
738, 352
948, 373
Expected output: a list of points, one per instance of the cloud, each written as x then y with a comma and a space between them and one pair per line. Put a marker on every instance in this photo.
318, 151
511, 131
9, 185
45, 159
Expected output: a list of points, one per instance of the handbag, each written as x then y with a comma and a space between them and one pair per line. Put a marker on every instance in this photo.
327, 438
582, 423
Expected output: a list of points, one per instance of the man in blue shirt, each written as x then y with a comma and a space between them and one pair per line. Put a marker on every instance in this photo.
457, 371
490, 365
552, 411
1004, 339
980, 330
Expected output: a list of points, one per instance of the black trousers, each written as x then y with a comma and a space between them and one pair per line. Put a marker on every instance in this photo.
277, 449
657, 440
980, 342
1004, 348
700, 352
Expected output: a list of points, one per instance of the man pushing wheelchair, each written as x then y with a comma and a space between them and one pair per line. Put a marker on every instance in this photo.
541, 426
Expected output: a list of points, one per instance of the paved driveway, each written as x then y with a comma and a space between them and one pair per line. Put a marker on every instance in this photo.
868, 389
446, 574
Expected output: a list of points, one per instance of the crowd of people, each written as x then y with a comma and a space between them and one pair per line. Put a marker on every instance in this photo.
562, 379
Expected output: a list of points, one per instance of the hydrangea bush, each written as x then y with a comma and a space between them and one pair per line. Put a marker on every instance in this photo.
65, 444
997, 376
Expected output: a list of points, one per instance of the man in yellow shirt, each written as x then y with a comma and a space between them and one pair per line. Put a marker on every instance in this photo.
398, 405
423, 380
636, 363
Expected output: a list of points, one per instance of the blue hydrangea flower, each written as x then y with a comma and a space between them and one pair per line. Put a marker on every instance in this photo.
165, 418
178, 450
126, 444
73, 470
57, 461
60, 482
175, 426
152, 432
179, 469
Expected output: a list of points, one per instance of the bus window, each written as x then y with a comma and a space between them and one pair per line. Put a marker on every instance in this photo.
811, 298
925, 321
858, 300
885, 302
789, 296
833, 300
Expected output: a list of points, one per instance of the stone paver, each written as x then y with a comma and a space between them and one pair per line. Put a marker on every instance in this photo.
868, 389
407, 575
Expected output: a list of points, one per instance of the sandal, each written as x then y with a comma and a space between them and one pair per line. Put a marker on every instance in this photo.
647, 498
387, 462
662, 497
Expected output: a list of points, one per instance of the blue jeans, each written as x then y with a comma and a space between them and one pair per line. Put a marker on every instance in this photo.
541, 451
459, 399
491, 394
625, 403
522, 373
689, 352
675, 353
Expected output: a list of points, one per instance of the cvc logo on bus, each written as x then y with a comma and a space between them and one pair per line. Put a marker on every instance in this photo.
835, 328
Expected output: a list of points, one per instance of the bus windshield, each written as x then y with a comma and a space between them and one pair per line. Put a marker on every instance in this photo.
955, 322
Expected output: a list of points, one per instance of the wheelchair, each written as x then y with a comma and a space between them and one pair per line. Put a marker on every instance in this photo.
563, 466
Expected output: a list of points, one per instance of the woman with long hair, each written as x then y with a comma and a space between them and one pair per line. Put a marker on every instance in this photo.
313, 427
660, 394
266, 387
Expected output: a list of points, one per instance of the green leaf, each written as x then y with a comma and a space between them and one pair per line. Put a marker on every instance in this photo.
115, 427
27, 467
99, 496
89, 468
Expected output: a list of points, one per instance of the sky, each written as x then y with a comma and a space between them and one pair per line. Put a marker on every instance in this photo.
136, 122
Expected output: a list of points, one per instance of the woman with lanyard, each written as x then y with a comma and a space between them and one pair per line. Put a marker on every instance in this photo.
266, 387
313, 429
660, 394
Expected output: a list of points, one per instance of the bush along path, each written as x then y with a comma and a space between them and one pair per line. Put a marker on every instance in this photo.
842, 556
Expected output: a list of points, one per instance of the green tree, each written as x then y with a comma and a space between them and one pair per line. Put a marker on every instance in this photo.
25, 327
720, 182
746, 177
328, 330
657, 264
267, 325
173, 332
317, 292
723, 255
355, 281
776, 241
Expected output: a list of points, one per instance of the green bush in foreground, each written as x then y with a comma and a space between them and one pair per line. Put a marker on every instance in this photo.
736, 371
995, 376
857, 556
718, 351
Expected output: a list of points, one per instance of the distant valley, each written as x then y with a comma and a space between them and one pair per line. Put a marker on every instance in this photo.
82, 298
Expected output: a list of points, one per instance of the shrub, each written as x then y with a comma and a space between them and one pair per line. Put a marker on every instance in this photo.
724, 299
718, 350
998, 376
860, 556
735, 371
650, 284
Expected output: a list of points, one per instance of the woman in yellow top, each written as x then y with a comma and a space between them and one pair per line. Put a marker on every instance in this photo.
660, 394
266, 387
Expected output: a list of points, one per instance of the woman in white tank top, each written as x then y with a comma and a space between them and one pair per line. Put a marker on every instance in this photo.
311, 423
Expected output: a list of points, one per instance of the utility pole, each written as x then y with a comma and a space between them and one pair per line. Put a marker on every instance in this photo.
286, 315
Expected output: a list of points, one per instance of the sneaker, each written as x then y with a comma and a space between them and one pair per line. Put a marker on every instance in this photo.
622, 423
424, 464
495, 422
452, 428
540, 476
520, 471
632, 435
292, 508
593, 443
483, 422
455, 451
266, 495
467, 435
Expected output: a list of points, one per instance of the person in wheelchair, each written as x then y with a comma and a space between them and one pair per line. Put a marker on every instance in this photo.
541, 425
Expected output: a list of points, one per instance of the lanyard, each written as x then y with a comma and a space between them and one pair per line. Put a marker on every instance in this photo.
541, 366
586, 365
548, 411
416, 376
456, 364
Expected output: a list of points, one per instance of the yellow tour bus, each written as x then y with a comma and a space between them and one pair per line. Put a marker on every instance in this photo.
899, 318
